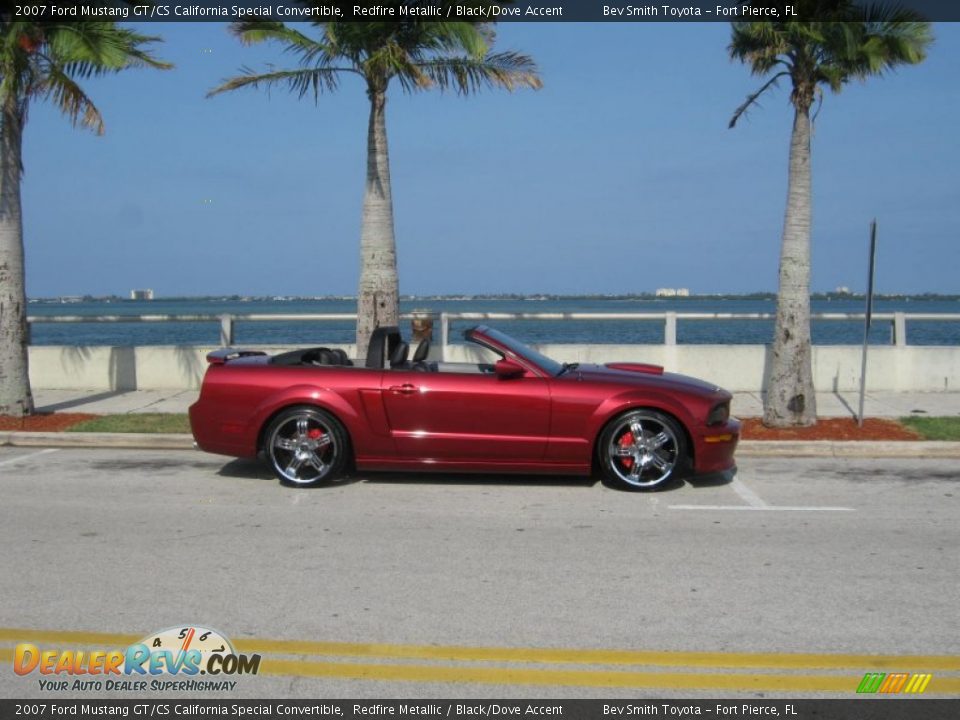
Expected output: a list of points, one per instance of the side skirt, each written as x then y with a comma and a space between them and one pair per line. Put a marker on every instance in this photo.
428, 465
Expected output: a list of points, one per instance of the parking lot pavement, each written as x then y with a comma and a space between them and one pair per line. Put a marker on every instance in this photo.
777, 582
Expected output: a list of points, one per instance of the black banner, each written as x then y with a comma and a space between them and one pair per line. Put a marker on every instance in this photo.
853, 709
399, 10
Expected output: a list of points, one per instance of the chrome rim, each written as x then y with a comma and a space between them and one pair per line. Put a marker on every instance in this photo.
643, 451
303, 449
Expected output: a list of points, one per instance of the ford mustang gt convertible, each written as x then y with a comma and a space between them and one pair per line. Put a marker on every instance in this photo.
314, 414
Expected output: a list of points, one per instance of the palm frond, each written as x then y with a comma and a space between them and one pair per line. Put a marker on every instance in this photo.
67, 95
301, 81
508, 70
451, 38
754, 97
87, 49
392, 60
310, 51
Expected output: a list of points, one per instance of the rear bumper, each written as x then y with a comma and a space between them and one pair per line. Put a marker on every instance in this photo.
715, 447
213, 433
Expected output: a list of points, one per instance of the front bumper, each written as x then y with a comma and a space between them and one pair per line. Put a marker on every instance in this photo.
715, 446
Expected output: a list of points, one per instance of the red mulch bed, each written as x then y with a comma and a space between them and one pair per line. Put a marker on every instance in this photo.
831, 429
43, 422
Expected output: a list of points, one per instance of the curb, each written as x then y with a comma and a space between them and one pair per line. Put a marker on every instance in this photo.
132, 441
746, 448
848, 449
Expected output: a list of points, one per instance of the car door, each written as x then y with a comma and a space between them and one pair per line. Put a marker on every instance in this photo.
469, 417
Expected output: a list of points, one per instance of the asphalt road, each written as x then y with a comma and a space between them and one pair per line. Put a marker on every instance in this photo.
774, 583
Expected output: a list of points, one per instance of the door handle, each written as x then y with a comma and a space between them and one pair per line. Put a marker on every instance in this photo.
405, 389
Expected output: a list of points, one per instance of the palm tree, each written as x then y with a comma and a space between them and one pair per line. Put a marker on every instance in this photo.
419, 55
846, 43
43, 61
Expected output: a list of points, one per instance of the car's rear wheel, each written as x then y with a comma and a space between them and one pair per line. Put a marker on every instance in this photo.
306, 447
642, 449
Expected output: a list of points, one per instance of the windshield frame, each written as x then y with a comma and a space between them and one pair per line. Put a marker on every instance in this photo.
506, 345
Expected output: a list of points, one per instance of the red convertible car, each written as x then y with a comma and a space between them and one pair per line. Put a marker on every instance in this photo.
314, 414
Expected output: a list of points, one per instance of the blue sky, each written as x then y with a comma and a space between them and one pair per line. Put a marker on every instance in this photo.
619, 176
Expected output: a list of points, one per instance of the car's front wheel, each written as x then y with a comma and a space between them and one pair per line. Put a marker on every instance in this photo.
306, 446
642, 449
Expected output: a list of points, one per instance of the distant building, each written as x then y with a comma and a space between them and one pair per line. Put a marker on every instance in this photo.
842, 290
141, 294
673, 292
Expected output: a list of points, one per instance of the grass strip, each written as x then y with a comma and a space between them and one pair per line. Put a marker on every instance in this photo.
934, 428
135, 423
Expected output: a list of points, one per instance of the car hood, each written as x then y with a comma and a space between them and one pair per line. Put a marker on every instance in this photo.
646, 375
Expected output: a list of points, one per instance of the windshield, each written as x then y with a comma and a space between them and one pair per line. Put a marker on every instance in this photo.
552, 367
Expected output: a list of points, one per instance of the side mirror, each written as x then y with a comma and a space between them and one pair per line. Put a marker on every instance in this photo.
506, 369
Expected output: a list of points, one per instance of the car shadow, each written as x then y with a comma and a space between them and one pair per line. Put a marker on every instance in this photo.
249, 469
713, 479
414, 478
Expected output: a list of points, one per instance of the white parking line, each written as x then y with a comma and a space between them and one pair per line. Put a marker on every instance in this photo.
21, 458
748, 495
755, 502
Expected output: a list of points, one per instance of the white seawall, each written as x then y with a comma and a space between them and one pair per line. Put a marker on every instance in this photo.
734, 367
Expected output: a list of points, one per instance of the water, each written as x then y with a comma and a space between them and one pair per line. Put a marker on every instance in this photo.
534, 331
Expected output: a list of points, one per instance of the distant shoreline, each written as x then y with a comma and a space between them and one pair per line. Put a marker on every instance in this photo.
535, 297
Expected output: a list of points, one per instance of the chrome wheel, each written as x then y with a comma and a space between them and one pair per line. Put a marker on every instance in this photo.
306, 446
642, 449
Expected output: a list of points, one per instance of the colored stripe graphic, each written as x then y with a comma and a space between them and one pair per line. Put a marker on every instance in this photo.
918, 683
894, 683
871, 682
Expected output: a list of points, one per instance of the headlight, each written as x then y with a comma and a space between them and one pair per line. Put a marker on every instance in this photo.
720, 414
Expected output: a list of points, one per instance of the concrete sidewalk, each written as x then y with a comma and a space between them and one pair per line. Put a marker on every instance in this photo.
844, 404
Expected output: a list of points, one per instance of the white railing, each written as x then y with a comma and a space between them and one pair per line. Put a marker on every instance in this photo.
898, 320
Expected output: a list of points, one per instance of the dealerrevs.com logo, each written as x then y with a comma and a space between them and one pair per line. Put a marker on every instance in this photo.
169, 660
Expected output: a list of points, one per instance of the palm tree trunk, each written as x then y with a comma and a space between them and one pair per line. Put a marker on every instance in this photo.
15, 396
790, 398
378, 298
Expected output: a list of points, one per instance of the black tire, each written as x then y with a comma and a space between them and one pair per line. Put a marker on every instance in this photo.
306, 447
642, 450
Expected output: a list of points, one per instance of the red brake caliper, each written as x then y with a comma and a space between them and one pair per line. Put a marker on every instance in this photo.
314, 433
626, 440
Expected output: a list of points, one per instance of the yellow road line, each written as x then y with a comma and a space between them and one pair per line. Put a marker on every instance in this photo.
580, 678
863, 663
568, 678
603, 657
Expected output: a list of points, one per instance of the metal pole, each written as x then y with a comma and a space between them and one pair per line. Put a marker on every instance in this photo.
871, 263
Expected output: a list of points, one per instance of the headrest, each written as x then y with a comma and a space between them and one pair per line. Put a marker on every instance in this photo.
423, 349
399, 354
382, 339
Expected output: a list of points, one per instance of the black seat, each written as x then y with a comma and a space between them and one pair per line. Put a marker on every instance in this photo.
383, 342
423, 349
312, 356
398, 358
419, 361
